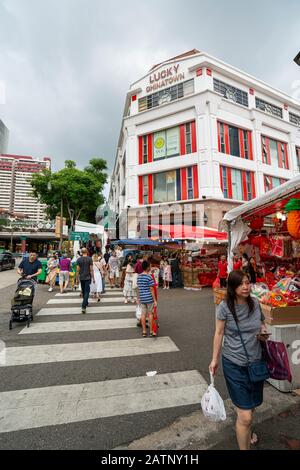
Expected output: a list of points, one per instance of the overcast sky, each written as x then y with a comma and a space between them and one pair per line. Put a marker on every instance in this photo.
67, 64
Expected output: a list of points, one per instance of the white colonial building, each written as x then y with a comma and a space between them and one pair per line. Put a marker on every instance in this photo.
199, 133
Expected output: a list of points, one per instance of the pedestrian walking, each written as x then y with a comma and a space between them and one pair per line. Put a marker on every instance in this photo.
103, 269
240, 322
222, 271
52, 266
85, 272
96, 285
64, 272
167, 275
237, 263
147, 297
30, 267
130, 291
114, 270
252, 270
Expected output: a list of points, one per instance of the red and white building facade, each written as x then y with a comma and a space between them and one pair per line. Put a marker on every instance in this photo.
199, 133
15, 185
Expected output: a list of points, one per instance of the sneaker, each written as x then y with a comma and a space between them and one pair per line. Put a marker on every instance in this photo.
50, 290
83, 310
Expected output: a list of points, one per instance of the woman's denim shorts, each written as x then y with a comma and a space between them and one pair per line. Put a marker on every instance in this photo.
243, 393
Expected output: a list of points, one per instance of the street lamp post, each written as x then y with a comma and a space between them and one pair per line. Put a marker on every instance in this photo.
61, 223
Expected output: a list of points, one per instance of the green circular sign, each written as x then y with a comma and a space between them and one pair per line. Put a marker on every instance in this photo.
159, 143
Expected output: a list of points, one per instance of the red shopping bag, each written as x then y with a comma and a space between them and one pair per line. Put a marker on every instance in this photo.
216, 284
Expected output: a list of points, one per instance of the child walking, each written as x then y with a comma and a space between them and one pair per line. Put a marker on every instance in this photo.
167, 275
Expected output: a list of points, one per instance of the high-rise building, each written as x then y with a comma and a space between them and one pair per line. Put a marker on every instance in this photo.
3, 138
200, 134
15, 188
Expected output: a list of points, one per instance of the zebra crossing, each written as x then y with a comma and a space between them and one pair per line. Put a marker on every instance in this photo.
76, 402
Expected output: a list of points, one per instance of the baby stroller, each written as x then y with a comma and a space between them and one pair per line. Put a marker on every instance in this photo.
21, 309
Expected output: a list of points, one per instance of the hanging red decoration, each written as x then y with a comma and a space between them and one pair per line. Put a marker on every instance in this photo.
257, 223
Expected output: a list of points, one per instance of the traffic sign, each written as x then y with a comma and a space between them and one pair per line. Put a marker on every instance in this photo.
80, 236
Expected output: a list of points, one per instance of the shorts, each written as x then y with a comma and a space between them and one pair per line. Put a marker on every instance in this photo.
64, 276
113, 273
243, 393
147, 309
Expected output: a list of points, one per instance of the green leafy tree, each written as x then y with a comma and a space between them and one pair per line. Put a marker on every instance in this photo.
80, 190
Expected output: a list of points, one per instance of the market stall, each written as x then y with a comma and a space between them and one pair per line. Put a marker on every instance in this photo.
267, 229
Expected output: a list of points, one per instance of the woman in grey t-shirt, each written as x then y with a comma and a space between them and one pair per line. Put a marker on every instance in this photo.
241, 307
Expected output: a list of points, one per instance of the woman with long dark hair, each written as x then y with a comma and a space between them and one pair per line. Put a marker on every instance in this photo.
240, 309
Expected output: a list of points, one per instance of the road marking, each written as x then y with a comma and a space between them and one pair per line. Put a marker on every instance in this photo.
86, 325
79, 300
50, 406
77, 310
17, 356
76, 294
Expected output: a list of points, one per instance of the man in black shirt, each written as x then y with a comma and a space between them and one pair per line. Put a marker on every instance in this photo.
30, 267
85, 271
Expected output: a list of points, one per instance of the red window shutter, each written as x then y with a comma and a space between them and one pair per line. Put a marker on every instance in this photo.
221, 178
182, 140
253, 190
229, 182
268, 151
141, 190
140, 150
183, 184
244, 186
265, 183
195, 181
280, 162
150, 148
286, 157
249, 138
242, 147
150, 189
219, 137
226, 135
194, 140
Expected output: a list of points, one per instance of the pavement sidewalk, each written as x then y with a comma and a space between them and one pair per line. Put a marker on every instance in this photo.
276, 422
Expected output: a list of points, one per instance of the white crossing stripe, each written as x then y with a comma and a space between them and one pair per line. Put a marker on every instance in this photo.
50, 406
77, 310
86, 325
79, 300
76, 294
23, 355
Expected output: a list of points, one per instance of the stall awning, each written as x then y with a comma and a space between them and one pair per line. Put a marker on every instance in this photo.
136, 241
190, 232
268, 203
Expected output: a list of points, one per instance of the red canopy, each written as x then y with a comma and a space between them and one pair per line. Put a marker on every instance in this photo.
187, 231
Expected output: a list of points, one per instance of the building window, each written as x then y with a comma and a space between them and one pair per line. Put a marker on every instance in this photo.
272, 182
225, 181
164, 187
236, 181
231, 93
190, 190
145, 189
188, 138
298, 157
145, 149
245, 141
166, 95
234, 146
274, 153
249, 186
294, 119
166, 143
222, 139
268, 107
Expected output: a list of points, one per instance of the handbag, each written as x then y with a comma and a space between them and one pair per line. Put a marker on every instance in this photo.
277, 360
258, 371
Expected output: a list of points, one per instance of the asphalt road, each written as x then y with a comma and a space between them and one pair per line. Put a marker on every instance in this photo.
186, 317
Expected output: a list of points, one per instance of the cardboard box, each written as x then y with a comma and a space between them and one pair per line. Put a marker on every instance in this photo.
281, 315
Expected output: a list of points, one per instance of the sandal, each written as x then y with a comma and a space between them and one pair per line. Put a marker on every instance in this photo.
144, 335
254, 439
153, 334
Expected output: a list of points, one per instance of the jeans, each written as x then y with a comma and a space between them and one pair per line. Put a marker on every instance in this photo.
85, 288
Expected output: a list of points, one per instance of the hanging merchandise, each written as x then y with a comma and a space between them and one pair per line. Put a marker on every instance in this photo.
281, 246
293, 221
257, 223
265, 247
296, 248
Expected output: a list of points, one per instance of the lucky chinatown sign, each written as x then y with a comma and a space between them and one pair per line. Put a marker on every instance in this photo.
165, 77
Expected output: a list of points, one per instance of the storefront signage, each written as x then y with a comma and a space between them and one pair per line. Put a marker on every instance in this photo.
164, 78
80, 236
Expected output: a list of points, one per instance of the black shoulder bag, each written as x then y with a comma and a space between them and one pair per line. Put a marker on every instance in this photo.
258, 370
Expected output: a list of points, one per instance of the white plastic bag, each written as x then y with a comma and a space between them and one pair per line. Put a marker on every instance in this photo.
212, 404
138, 312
